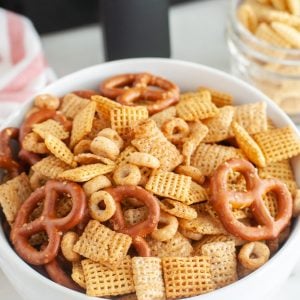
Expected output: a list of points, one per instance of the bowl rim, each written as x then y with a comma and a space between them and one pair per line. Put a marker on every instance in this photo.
7, 252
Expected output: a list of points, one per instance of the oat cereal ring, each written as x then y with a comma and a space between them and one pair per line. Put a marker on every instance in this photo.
46, 101
195, 236
169, 230
103, 146
191, 171
33, 143
127, 174
67, 243
142, 159
112, 135
253, 255
96, 184
175, 130
98, 214
82, 147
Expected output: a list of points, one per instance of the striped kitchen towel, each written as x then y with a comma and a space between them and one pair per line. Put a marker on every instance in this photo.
23, 69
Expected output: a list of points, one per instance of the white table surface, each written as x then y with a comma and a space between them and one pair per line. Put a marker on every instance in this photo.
197, 34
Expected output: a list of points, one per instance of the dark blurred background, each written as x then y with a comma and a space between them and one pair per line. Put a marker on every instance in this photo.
54, 15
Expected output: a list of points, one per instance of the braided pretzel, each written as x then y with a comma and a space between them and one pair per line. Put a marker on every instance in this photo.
6, 156
48, 221
224, 200
139, 230
130, 88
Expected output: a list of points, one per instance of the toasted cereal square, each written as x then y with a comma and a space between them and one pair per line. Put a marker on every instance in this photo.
148, 278
270, 201
105, 105
123, 157
280, 169
133, 216
219, 126
148, 138
223, 262
178, 209
86, 172
124, 118
161, 117
208, 157
196, 194
169, 184
102, 281
196, 107
178, 246
204, 224
59, 149
252, 116
101, 244
248, 145
187, 276
213, 238
50, 167
73, 104
12, 194
278, 144
78, 275
220, 99
52, 127
82, 123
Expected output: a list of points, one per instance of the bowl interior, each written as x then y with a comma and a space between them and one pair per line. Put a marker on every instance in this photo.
188, 76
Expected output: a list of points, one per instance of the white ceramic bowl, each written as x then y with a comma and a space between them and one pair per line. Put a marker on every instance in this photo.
32, 286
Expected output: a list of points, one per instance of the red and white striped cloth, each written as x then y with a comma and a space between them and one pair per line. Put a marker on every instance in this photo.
23, 69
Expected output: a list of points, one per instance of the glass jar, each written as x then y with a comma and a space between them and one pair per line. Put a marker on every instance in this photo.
274, 70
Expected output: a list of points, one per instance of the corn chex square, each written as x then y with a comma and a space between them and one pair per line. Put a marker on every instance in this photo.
73, 104
12, 194
148, 278
169, 184
105, 105
161, 117
280, 169
102, 281
86, 172
178, 246
101, 244
196, 194
278, 144
219, 126
187, 276
133, 216
50, 167
124, 118
59, 149
196, 107
52, 127
204, 224
82, 123
252, 116
78, 275
207, 157
218, 98
149, 139
223, 262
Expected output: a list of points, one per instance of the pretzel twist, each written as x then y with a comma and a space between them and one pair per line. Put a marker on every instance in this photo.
223, 200
129, 89
22, 229
139, 230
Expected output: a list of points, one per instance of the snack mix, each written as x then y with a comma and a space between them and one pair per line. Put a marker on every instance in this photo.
142, 192
272, 52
